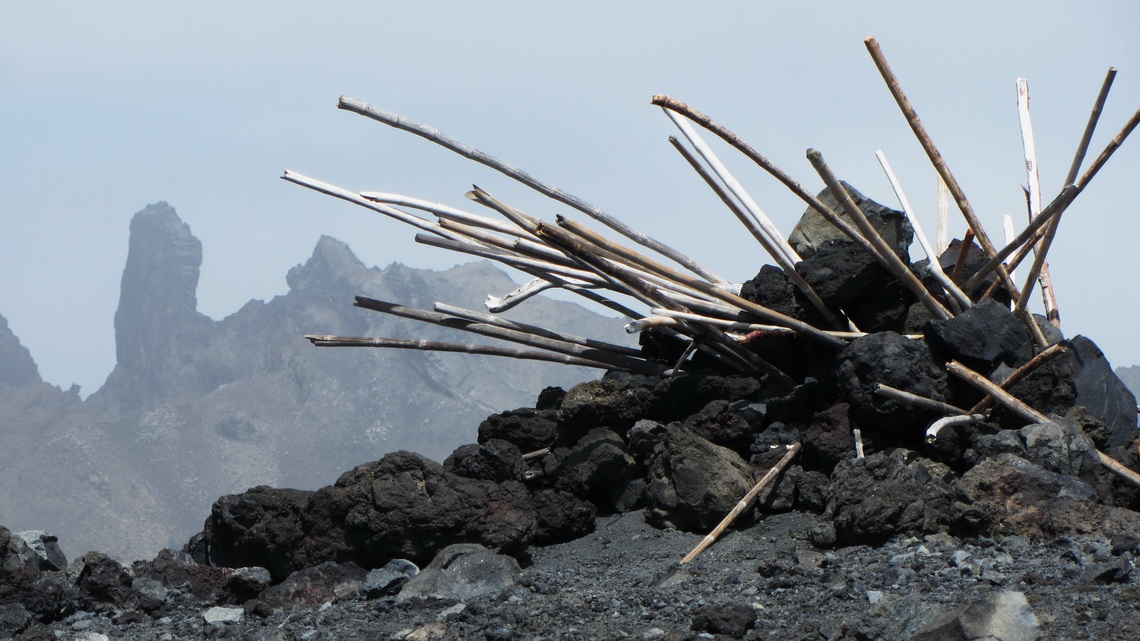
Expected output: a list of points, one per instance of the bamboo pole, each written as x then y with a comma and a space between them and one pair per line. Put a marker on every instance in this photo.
1058, 205
1021, 372
1094, 117
444, 212
467, 151
731, 138
744, 503
438, 346
936, 158
1039, 271
916, 400
765, 241
757, 219
514, 260
555, 345
489, 319
885, 252
956, 295
352, 197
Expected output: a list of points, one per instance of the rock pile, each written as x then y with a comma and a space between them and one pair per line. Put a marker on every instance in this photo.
681, 450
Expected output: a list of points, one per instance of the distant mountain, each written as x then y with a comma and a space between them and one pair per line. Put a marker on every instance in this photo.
196, 408
1130, 376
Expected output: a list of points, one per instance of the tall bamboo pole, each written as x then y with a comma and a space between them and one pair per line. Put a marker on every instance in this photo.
936, 158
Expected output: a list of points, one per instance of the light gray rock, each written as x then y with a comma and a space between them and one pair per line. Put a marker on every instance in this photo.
389, 579
463, 571
999, 617
220, 616
46, 548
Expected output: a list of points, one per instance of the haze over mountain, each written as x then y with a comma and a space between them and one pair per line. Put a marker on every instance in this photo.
196, 408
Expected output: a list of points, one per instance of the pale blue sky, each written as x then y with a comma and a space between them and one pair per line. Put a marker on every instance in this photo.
106, 107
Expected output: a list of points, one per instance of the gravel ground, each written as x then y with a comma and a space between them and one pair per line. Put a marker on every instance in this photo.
764, 582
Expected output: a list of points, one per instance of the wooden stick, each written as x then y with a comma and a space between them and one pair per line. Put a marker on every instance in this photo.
757, 221
444, 212
536, 454
758, 233
956, 294
514, 260
935, 157
744, 503
1059, 204
916, 400
858, 434
731, 138
438, 346
514, 172
344, 194
1090, 127
1021, 372
1031, 415
489, 319
886, 254
555, 345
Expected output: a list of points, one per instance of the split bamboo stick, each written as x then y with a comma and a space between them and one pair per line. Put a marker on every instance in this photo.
744, 503
936, 158
438, 346
886, 254
947, 421
758, 220
489, 319
619, 361
1039, 271
467, 151
957, 298
444, 212
765, 241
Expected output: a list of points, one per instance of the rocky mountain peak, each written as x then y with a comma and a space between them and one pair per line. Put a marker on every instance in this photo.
157, 314
16, 365
332, 261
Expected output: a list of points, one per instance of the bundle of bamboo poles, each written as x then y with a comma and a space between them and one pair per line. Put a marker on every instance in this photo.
678, 297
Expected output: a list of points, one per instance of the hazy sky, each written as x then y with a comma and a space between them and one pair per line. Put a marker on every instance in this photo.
107, 107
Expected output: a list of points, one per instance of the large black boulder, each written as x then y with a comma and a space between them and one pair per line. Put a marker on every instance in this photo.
982, 336
1082, 377
896, 361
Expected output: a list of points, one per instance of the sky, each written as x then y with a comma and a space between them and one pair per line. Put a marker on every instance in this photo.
107, 107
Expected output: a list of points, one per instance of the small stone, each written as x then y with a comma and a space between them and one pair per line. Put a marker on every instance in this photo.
389, 579
1006, 616
874, 596
220, 616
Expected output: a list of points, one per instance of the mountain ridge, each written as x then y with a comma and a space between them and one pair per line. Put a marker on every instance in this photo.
196, 407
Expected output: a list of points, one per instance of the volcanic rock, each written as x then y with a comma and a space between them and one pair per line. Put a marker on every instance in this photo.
1082, 376
889, 493
46, 548
1007, 495
692, 483
813, 230
528, 428
312, 586
388, 580
848, 278
492, 460
982, 336
462, 572
561, 516
595, 466
890, 359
